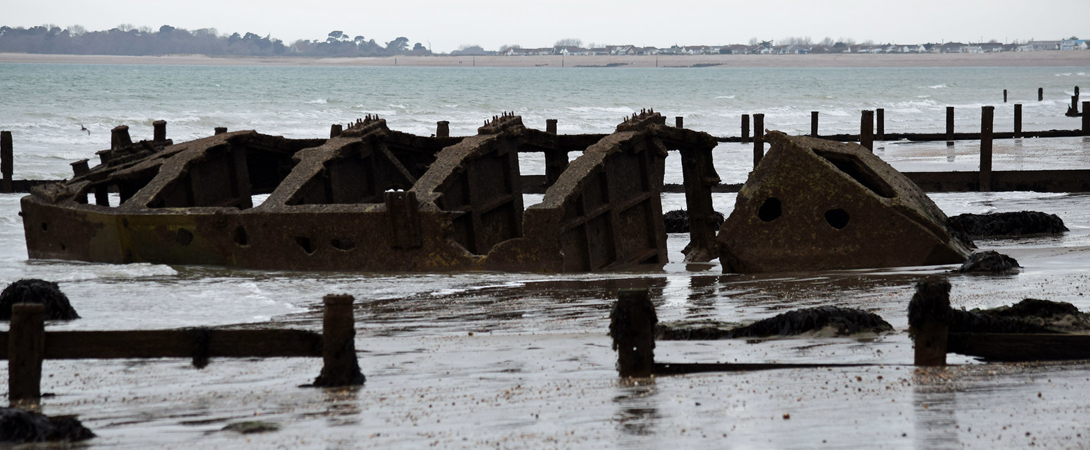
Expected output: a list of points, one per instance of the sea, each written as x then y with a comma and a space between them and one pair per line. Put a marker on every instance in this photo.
523, 360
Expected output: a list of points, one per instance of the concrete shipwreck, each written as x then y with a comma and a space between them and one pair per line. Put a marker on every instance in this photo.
813, 204
374, 199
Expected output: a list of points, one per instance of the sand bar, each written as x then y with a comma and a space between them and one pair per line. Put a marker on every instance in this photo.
1007, 59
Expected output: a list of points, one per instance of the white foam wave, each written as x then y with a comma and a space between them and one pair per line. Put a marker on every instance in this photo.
938, 86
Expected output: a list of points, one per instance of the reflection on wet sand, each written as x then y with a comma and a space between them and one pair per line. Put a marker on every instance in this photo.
637, 405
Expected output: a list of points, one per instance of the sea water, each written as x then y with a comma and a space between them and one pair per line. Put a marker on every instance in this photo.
522, 360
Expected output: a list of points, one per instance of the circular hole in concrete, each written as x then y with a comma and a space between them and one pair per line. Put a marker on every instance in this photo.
770, 209
837, 218
241, 238
184, 238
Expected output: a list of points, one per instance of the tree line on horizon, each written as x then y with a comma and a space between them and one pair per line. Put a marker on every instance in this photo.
167, 40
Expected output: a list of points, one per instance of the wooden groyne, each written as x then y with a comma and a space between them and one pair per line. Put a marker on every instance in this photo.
27, 344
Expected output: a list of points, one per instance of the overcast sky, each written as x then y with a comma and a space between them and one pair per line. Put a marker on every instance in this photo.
447, 24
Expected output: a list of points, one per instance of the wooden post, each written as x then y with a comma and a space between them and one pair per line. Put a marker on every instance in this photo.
26, 349
679, 122
335, 130
7, 163
986, 115
881, 118
221, 130
758, 138
745, 128
1085, 119
1040, 94
119, 137
556, 161
814, 123
160, 131
929, 317
1004, 96
1017, 120
949, 124
340, 366
866, 130
1074, 104
442, 128
632, 327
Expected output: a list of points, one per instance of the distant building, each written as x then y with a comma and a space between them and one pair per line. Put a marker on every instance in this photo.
1074, 44
1034, 46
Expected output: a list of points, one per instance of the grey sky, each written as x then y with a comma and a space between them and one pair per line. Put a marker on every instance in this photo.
447, 24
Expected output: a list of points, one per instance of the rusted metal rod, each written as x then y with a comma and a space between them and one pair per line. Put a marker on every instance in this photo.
26, 349
986, 115
632, 327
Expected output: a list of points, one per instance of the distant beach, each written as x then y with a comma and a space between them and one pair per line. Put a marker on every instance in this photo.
1005, 59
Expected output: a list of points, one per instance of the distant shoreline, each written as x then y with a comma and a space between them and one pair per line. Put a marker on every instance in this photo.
1074, 58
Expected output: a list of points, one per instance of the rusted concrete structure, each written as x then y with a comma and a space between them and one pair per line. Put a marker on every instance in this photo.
374, 199
817, 205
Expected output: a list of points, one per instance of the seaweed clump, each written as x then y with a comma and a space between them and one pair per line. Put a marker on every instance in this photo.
1027, 316
840, 321
677, 221
1006, 224
18, 426
33, 290
989, 262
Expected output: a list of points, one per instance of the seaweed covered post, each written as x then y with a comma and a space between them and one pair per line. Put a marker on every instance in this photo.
442, 128
340, 366
632, 327
929, 317
26, 349
1040, 94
